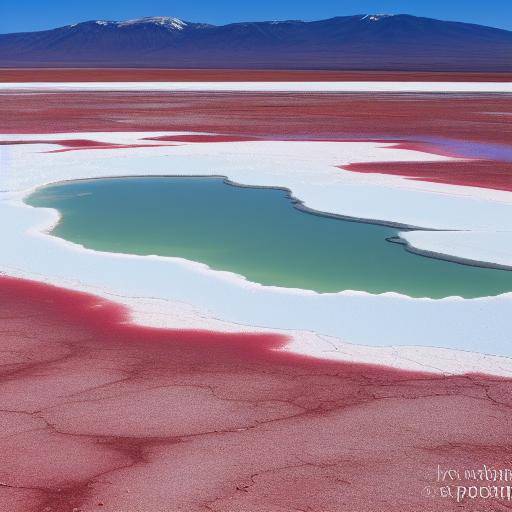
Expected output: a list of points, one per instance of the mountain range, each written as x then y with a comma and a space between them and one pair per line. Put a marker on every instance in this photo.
361, 42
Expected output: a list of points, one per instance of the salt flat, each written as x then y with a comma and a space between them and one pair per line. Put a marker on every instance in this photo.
179, 293
418, 87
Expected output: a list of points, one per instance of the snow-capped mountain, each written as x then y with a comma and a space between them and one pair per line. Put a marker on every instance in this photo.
366, 41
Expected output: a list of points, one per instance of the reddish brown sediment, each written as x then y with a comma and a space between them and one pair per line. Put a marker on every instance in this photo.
468, 117
204, 138
201, 138
386, 118
397, 144
98, 414
109, 146
79, 144
410, 121
235, 75
72, 143
424, 147
470, 173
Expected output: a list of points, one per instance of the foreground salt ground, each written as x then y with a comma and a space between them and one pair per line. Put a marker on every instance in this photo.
98, 414
178, 293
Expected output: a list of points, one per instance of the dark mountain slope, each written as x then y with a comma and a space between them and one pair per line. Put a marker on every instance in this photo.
378, 42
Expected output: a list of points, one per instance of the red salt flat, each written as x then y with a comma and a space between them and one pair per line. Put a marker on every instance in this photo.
203, 138
402, 119
469, 117
99, 414
72, 143
236, 75
79, 144
398, 144
426, 147
471, 173
110, 146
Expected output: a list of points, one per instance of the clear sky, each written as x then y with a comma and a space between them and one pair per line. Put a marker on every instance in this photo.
28, 15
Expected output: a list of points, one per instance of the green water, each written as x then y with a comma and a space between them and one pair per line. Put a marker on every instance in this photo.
255, 232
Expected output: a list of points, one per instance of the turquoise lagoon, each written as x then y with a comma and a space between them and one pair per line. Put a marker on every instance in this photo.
255, 232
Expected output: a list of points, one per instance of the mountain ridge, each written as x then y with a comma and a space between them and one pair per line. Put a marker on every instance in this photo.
364, 42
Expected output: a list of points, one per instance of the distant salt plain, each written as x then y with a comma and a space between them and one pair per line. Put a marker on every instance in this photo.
452, 334
418, 87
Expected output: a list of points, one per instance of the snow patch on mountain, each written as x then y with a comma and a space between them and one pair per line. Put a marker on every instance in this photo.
375, 17
163, 21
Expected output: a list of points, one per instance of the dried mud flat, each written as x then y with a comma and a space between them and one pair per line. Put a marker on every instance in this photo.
99, 414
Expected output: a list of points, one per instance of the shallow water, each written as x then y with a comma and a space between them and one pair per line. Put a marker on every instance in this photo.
255, 232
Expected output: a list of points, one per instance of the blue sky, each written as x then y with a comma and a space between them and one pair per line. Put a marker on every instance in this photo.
27, 15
